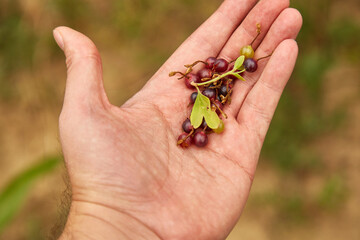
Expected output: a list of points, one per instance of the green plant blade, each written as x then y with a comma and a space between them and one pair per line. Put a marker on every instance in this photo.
239, 61
13, 195
238, 76
202, 109
212, 119
199, 109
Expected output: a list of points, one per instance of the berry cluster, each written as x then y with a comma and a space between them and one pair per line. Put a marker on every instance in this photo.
214, 85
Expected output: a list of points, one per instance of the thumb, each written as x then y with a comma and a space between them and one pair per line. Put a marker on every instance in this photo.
84, 85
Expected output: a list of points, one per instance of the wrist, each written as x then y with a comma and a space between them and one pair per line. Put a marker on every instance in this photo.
93, 221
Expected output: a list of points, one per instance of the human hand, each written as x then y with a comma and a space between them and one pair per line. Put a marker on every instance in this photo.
129, 178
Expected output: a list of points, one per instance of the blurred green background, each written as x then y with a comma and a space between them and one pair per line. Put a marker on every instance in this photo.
306, 186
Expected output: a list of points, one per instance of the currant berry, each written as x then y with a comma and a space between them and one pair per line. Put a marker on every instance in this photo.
187, 127
210, 62
221, 65
220, 128
191, 78
193, 97
247, 51
223, 90
187, 142
250, 65
200, 139
204, 73
210, 93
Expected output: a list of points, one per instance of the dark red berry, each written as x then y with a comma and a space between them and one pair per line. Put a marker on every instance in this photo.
250, 65
223, 90
200, 139
191, 78
187, 127
187, 142
210, 62
221, 65
204, 73
210, 93
193, 97
188, 83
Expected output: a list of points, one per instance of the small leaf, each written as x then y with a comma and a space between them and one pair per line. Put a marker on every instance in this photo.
199, 109
238, 76
239, 62
241, 69
202, 109
212, 119
15, 192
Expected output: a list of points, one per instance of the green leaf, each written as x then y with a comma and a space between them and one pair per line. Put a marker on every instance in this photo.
212, 119
238, 76
239, 62
199, 108
14, 194
202, 109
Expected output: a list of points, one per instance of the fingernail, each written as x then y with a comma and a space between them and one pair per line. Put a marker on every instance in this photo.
59, 39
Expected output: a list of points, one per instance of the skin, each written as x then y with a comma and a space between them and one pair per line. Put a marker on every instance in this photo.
129, 178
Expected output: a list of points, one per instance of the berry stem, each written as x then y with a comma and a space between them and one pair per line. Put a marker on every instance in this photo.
232, 61
221, 111
174, 73
264, 57
193, 64
183, 140
232, 72
196, 86
258, 30
226, 98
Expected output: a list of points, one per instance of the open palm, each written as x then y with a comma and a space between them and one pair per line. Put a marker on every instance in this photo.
128, 176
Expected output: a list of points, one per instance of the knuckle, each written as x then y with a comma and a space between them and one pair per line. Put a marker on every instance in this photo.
88, 54
272, 87
260, 112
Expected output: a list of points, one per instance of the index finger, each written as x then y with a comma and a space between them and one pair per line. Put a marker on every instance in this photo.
206, 41
210, 37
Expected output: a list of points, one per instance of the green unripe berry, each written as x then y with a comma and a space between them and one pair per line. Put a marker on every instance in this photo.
247, 51
220, 128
